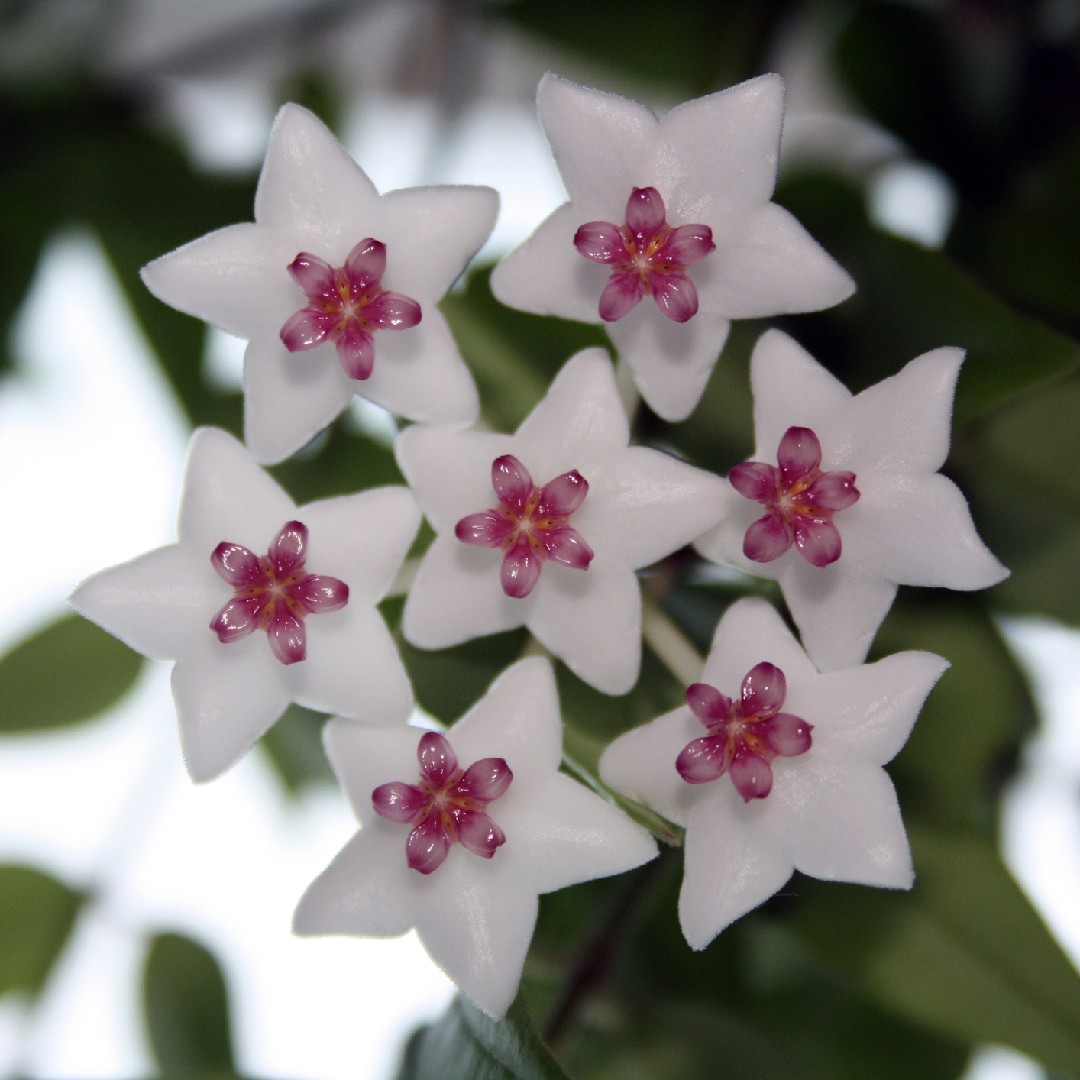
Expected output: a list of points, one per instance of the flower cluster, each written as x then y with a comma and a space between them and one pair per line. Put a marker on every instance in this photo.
773, 762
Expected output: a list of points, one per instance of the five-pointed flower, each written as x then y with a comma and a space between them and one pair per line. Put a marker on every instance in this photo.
857, 489
475, 911
205, 601
575, 552
831, 811
678, 208
334, 288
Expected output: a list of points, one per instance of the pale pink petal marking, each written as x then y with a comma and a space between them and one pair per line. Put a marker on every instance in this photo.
786, 735
366, 264
600, 241
511, 481
675, 295
565, 545
288, 637
563, 495
427, 845
238, 618
237, 565
755, 480
477, 833
484, 780
768, 537
288, 549
398, 801
818, 540
763, 690
318, 593
437, 759
799, 454
356, 351
708, 704
704, 759
751, 774
520, 569
315, 276
488, 528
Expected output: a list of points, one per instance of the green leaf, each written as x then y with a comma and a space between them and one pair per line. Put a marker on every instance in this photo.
467, 1043
37, 913
64, 674
294, 747
964, 953
186, 1009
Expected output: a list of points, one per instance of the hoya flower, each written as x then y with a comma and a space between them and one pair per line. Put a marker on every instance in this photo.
669, 232
843, 500
773, 767
334, 287
546, 528
262, 603
461, 833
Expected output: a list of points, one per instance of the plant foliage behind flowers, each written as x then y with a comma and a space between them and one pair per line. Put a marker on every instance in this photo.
655, 611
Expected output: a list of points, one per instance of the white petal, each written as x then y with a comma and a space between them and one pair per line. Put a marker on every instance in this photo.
289, 397
480, 929
364, 756
363, 890
361, 539
843, 821
768, 264
579, 419
790, 388
751, 631
226, 697
591, 620
457, 595
718, 154
450, 471
571, 834
517, 719
837, 610
644, 504
869, 709
158, 603
431, 233
671, 362
901, 424
352, 667
724, 543
228, 497
733, 863
547, 275
603, 144
916, 531
233, 278
311, 189
419, 374
641, 764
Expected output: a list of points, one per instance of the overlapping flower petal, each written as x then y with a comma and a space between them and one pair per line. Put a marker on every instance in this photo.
713, 163
832, 811
475, 914
313, 198
641, 506
229, 692
910, 525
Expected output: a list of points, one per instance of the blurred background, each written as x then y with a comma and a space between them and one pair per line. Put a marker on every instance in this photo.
932, 147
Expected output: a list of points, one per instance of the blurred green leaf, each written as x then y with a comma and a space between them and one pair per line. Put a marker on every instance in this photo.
964, 953
64, 674
294, 746
37, 913
186, 1009
969, 732
467, 1043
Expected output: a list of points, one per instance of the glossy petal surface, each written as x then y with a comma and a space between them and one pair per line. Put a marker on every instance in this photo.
229, 692
909, 526
475, 914
315, 203
831, 811
641, 505
712, 164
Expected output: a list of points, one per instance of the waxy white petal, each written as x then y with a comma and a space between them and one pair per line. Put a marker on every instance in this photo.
832, 811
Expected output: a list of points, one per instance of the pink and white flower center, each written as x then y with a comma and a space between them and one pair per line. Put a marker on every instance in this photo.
646, 255
346, 305
530, 524
274, 592
800, 500
744, 736
448, 806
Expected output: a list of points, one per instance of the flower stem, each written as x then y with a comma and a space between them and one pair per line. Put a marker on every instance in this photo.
670, 644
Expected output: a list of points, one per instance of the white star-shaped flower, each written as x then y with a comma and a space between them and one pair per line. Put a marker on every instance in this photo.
262, 603
546, 527
334, 287
475, 910
856, 504
669, 233
824, 806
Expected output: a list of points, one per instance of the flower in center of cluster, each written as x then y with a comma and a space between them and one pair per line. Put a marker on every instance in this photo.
744, 737
449, 804
646, 255
530, 524
274, 593
346, 305
800, 499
